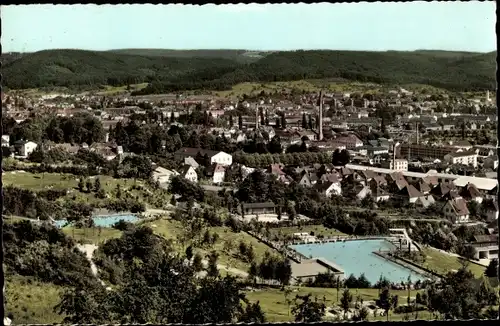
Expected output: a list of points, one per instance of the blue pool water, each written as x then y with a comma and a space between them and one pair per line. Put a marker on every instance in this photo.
357, 257
105, 221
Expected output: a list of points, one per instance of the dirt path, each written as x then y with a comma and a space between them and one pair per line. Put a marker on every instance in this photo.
88, 250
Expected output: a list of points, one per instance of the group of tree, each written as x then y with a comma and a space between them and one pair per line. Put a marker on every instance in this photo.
264, 160
271, 268
78, 129
158, 284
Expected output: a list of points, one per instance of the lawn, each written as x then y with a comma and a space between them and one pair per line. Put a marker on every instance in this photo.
44, 181
319, 230
171, 229
443, 263
32, 302
92, 235
273, 301
314, 85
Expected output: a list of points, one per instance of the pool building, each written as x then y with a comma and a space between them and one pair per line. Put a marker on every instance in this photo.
307, 270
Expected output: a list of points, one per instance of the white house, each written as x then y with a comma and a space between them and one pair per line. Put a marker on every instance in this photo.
456, 210
462, 157
27, 148
5, 140
218, 173
329, 188
222, 158
189, 173
214, 156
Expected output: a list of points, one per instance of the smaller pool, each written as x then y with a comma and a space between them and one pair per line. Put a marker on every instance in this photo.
105, 221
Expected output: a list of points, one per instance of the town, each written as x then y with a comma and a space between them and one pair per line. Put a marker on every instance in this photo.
249, 163
295, 170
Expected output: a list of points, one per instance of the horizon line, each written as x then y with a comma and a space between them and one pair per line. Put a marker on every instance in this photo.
249, 50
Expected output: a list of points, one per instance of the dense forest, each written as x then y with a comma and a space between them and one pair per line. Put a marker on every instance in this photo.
168, 71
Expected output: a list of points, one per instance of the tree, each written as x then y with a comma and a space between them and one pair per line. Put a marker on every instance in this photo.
306, 310
231, 123
189, 252
387, 302
345, 301
492, 269
88, 184
197, 263
212, 270
97, 185
304, 122
240, 122
253, 314
81, 185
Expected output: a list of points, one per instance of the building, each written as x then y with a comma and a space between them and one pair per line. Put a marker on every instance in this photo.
217, 172
349, 141
414, 150
27, 148
463, 157
398, 164
189, 173
258, 208
486, 246
307, 270
214, 156
5, 140
456, 211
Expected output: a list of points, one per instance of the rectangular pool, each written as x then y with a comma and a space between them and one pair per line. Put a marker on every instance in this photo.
357, 257
105, 221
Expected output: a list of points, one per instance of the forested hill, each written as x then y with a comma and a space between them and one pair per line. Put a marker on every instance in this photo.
170, 70
241, 56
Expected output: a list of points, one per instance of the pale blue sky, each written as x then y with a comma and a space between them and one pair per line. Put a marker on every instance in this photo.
466, 26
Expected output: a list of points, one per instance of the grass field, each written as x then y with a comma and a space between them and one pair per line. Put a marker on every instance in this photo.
44, 181
274, 304
92, 235
32, 302
171, 229
443, 263
315, 85
111, 90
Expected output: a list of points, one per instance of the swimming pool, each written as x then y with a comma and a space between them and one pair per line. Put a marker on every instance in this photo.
105, 221
357, 257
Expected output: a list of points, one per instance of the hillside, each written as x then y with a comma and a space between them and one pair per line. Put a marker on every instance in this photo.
171, 70
70, 68
241, 56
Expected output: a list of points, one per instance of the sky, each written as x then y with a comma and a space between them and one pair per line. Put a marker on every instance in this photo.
459, 26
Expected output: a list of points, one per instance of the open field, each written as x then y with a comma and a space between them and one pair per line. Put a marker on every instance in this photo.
315, 85
111, 90
44, 181
274, 304
443, 263
32, 302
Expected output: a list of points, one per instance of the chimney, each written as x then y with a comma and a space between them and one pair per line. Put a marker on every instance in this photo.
320, 137
256, 118
416, 128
